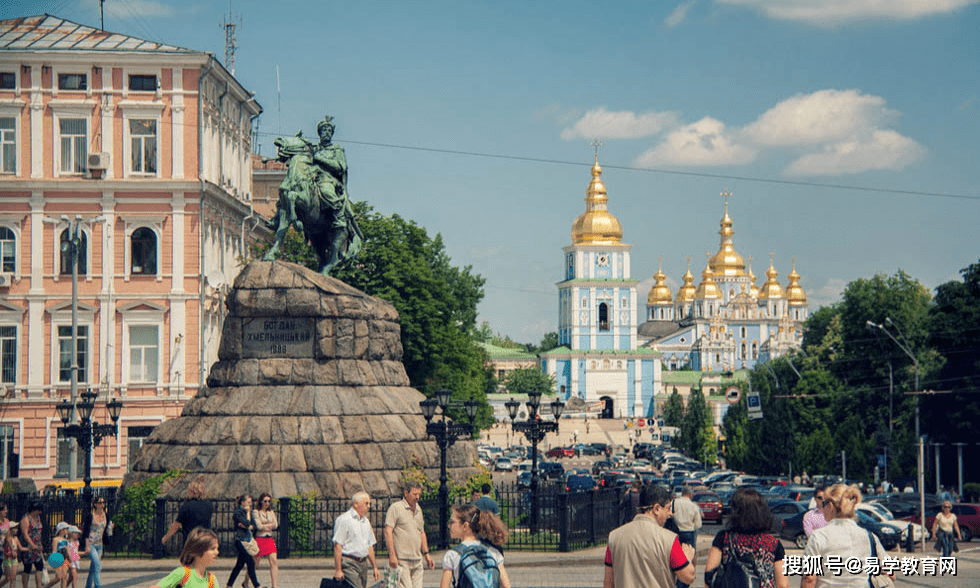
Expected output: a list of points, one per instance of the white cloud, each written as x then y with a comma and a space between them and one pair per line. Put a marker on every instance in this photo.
883, 149
831, 12
705, 142
820, 117
127, 9
602, 124
679, 14
827, 294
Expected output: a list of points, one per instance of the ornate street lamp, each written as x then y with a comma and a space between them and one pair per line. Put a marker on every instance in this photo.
88, 433
534, 430
446, 432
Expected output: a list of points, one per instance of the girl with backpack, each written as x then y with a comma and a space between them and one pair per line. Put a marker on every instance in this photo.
475, 562
200, 552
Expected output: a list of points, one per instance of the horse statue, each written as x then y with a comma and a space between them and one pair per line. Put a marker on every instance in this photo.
313, 198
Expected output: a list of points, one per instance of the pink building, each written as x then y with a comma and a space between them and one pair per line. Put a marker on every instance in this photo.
146, 148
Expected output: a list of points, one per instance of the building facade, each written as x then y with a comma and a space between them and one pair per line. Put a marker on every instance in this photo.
599, 359
138, 153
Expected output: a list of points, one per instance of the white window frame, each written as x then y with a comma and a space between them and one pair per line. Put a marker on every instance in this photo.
137, 314
140, 110
18, 243
73, 109
12, 112
7, 322
131, 224
87, 231
61, 317
130, 143
142, 71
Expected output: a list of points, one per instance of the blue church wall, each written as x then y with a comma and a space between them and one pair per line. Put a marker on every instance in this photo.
685, 337
631, 390
563, 376
624, 342
581, 380
584, 342
604, 341
646, 385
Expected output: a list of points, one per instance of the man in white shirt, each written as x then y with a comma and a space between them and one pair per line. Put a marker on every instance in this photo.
353, 543
687, 516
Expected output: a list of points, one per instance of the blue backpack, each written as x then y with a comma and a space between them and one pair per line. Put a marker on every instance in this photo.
477, 568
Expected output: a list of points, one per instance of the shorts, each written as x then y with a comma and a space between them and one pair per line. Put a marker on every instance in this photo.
9, 563
37, 565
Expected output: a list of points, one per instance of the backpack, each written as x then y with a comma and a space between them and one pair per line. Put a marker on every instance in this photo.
738, 572
187, 576
477, 568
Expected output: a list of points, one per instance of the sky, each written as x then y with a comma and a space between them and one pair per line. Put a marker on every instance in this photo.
845, 130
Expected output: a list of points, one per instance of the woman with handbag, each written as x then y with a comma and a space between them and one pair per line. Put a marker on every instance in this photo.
245, 544
96, 527
746, 543
842, 539
266, 522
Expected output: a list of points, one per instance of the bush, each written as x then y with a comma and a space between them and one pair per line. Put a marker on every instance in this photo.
137, 511
301, 523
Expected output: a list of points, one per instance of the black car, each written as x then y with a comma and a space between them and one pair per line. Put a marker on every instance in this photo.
551, 469
524, 479
601, 466
580, 483
792, 530
784, 510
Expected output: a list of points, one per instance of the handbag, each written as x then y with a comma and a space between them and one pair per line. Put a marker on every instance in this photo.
251, 546
737, 572
880, 580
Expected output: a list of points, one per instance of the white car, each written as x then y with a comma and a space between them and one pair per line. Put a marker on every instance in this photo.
884, 516
504, 464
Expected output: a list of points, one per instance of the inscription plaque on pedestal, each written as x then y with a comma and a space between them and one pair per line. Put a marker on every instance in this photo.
277, 337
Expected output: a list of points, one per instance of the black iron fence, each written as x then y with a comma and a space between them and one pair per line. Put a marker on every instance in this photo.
554, 521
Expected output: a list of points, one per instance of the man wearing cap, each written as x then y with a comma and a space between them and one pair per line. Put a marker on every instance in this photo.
642, 554
405, 537
353, 543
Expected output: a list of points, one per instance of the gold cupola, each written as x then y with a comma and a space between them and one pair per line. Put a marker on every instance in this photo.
707, 289
660, 293
596, 226
727, 262
771, 289
794, 292
753, 288
686, 292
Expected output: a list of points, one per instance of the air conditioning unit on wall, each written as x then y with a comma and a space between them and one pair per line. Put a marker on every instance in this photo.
98, 160
5, 280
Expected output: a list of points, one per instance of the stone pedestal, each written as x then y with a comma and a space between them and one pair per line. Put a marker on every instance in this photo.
309, 394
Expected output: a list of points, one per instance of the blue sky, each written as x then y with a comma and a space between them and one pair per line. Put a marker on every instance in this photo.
847, 130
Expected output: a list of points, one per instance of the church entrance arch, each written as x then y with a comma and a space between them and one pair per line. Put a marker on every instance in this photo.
607, 407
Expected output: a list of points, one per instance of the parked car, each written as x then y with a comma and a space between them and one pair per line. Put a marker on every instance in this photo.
616, 479
580, 483
887, 534
560, 452
524, 479
601, 466
551, 469
783, 511
503, 464
885, 517
792, 530
906, 505
710, 505
795, 493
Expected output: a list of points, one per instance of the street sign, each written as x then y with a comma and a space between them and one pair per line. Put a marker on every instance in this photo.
755, 405
732, 395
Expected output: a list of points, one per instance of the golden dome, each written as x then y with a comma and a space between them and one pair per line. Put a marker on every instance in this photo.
794, 292
686, 292
771, 289
660, 293
727, 262
707, 288
596, 226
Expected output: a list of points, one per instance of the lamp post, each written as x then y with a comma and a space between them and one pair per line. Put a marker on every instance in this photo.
915, 362
534, 430
88, 433
446, 432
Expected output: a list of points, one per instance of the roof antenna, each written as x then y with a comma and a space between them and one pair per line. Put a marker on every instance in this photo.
230, 43
102, 14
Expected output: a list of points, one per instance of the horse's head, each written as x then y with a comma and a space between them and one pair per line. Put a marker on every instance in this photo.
288, 147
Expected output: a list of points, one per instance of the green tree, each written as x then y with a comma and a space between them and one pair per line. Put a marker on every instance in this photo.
674, 410
524, 380
548, 342
697, 431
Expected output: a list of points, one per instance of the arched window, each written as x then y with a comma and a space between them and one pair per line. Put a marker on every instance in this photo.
8, 250
66, 253
603, 316
144, 258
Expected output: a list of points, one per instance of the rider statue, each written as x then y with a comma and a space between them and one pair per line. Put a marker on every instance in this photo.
313, 197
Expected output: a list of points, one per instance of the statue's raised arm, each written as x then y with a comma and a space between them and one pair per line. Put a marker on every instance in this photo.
313, 198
